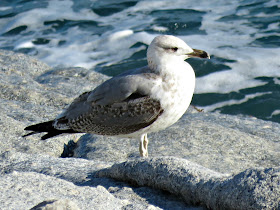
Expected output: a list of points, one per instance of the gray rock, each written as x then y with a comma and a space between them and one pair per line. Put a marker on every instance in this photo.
32, 92
24, 190
251, 189
72, 174
197, 185
31, 172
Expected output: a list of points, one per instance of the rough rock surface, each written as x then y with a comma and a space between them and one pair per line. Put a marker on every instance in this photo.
206, 160
251, 189
36, 178
31, 92
30, 188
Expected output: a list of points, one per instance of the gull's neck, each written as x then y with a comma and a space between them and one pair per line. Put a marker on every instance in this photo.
165, 64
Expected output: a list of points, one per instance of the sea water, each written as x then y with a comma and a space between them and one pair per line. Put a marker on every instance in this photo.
242, 36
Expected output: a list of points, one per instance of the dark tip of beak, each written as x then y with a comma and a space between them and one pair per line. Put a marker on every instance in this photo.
199, 54
204, 55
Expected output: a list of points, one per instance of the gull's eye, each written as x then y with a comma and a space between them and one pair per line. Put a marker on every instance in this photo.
174, 49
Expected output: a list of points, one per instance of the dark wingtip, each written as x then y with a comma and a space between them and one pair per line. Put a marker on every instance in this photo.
39, 128
49, 135
29, 134
46, 127
27, 129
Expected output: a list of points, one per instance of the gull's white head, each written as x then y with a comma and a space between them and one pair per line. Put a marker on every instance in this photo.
165, 48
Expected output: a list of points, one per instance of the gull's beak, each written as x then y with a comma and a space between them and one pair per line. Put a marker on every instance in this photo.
199, 54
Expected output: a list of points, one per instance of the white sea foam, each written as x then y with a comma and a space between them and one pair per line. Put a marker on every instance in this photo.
27, 44
275, 112
5, 8
251, 63
231, 102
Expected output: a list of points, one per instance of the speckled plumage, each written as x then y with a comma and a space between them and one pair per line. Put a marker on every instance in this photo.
118, 118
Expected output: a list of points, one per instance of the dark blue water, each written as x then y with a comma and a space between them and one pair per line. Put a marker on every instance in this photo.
243, 38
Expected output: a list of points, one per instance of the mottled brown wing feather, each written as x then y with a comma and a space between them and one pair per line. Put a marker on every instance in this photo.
116, 119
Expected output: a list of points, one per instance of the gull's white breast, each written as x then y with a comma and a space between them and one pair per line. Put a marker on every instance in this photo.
175, 93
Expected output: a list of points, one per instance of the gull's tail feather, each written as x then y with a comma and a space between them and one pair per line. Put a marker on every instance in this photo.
46, 127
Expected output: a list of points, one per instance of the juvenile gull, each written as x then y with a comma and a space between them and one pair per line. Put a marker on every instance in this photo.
136, 102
